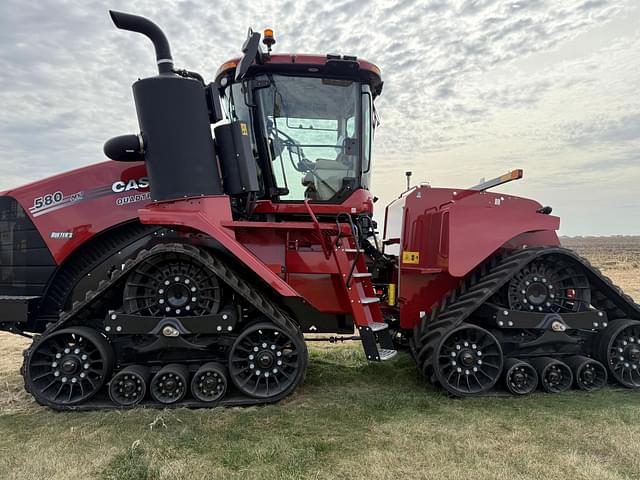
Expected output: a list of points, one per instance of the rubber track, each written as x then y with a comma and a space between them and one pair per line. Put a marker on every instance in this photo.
486, 280
92, 308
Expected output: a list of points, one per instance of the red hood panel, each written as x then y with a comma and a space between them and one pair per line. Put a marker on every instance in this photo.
70, 208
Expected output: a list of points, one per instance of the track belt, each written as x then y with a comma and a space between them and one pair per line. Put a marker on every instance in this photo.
487, 279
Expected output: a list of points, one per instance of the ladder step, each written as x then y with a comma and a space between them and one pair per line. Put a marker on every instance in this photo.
361, 275
368, 300
378, 326
387, 354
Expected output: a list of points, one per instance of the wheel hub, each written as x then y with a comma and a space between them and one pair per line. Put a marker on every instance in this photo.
129, 386
633, 353
177, 295
537, 293
70, 365
265, 359
467, 358
554, 377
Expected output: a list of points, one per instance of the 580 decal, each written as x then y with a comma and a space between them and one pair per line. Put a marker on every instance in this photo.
53, 201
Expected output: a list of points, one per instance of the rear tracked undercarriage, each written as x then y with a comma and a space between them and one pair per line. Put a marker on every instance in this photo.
176, 327
174, 321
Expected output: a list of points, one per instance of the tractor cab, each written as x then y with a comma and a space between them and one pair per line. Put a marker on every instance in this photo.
310, 120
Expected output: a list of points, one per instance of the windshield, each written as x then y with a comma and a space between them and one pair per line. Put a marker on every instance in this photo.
312, 128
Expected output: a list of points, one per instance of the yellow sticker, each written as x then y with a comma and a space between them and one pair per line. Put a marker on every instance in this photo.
412, 258
243, 129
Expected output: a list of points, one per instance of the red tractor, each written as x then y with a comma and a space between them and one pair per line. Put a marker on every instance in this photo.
187, 270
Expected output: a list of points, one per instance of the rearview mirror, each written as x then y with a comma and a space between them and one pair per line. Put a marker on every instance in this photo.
251, 51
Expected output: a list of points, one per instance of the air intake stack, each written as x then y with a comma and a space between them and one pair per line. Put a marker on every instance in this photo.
175, 139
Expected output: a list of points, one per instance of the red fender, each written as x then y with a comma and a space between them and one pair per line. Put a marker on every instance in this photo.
206, 215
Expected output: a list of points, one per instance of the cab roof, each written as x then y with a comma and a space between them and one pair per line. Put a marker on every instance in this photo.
311, 64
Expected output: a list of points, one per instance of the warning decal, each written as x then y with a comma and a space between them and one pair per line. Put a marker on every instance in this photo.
411, 258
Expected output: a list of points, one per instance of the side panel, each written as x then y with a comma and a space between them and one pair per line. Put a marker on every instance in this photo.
70, 208
447, 233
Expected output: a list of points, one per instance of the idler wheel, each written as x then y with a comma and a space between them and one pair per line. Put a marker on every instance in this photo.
589, 374
209, 383
520, 377
619, 349
68, 366
170, 384
128, 387
468, 361
266, 361
555, 376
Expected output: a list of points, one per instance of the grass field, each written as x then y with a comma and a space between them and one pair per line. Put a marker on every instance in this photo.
349, 420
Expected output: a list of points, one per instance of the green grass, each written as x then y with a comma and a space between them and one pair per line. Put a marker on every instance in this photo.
349, 420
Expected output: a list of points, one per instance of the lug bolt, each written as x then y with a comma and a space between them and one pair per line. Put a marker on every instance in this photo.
84, 357
453, 363
475, 369
251, 357
58, 355
161, 301
167, 282
187, 281
524, 300
500, 323
193, 289
479, 362
279, 362
54, 364
187, 308
161, 291
64, 379
177, 311
66, 350
523, 292
467, 372
56, 373
459, 370
74, 380
479, 353
257, 372
219, 328
458, 347
86, 366
275, 370
194, 299
251, 366
177, 279
278, 354
167, 309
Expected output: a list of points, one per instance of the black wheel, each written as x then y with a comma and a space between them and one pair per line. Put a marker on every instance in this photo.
619, 349
129, 386
172, 284
209, 383
170, 384
551, 284
468, 361
68, 366
588, 374
520, 377
555, 376
265, 361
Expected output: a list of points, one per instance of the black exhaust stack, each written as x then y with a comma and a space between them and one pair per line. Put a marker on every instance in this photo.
134, 23
173, 116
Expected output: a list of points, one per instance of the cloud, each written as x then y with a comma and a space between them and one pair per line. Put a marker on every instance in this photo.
471, 87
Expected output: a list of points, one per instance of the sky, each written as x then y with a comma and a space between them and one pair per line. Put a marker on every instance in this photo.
472, 88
